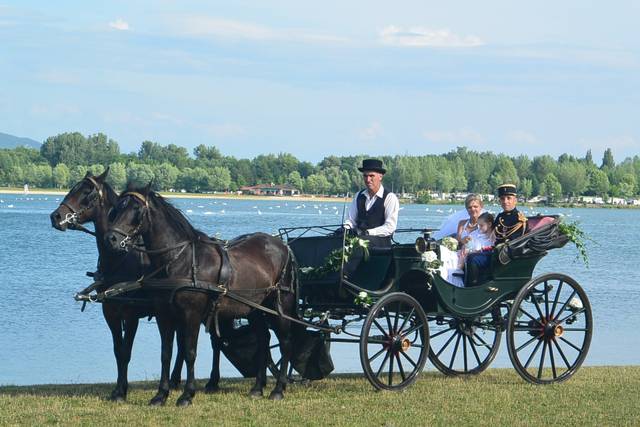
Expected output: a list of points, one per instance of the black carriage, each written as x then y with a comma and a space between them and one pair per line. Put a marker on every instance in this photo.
401, 312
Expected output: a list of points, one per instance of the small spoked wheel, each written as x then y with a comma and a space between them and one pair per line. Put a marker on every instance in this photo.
549, 330
460, 346
274, 361
395, 342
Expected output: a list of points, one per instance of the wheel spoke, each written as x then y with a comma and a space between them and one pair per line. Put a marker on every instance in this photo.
412, 329
390, 376
537, 306
553, 362
386, 314
380, 328
546, 300
464, 352
395, 320
573, 314
406, 319
383, 364
570, 343
406, 356
556, 299
475, 352
533, 353
566, 362
484, 343
375, 356
402, 374
446, 344
455, 351
565, 304
527, 343
541, 364
437, 334
526, 313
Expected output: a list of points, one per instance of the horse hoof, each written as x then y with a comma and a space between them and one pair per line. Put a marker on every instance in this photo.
158, 401
276, 395
255, 394
183, 402
210, 389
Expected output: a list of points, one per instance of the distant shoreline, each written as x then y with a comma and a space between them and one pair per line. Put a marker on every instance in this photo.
311, 198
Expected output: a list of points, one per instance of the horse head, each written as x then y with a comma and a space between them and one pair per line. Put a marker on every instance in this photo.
130, 218
82, 202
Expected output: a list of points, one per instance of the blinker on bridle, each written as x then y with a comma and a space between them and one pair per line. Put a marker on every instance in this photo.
72, 217
129, 238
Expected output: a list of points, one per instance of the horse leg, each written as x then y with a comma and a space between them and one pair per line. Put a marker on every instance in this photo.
176, 374
167, 332
190, 327
259, 327
283, 331
214, 378
121, 346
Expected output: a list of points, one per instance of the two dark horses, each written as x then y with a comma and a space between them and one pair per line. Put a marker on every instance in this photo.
261, 265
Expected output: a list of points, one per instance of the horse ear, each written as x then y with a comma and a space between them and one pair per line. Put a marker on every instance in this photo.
87, 174
104, 174
148, 187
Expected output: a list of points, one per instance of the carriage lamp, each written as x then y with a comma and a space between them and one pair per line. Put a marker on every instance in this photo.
423, 245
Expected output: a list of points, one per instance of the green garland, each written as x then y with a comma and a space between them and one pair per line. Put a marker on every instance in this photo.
333, 261
575, 234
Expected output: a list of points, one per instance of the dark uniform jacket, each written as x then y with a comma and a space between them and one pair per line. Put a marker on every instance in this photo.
509, 225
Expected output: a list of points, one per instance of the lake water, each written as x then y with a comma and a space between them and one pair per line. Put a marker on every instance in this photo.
44, 338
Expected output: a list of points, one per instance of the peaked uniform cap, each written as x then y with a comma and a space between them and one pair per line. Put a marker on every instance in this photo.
507, 190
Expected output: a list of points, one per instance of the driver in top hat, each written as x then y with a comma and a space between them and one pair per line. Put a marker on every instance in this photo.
373, 213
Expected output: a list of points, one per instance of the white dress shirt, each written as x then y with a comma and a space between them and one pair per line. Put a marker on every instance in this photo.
391, 208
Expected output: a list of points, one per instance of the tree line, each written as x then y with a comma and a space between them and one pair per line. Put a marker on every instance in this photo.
64, 159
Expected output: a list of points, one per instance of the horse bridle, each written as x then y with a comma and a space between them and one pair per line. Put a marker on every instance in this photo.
72, 217
129, 238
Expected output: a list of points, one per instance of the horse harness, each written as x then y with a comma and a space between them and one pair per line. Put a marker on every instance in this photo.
72, 218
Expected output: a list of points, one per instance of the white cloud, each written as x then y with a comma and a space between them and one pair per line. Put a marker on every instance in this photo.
371, 132
119, 24
207, 26
522, 137
426, 37
461, 136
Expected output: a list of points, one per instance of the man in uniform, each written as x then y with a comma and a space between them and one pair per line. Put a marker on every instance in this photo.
509, 224
373, 214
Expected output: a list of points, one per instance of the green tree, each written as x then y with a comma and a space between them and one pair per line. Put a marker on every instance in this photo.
598, 183
139, 174
166, 176
317, 184
572, 175
78, 173
294, 179
219, 179
61, 175
117, 175
552, 188
607, 160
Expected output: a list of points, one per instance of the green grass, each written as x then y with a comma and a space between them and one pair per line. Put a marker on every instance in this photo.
594, 396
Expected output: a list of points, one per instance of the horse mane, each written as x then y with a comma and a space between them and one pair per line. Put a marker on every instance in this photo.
175, 216
112, 195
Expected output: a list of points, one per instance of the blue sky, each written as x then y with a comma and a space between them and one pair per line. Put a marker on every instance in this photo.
332, 77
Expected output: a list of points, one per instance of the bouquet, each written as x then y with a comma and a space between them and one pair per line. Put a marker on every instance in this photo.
450, 243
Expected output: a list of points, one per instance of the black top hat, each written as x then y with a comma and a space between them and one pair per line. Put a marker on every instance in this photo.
507, 190
373, 165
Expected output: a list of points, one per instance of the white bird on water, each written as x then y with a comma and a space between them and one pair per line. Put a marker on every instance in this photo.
259, 213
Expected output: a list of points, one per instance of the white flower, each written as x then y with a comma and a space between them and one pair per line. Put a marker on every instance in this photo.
363, 295
429, 256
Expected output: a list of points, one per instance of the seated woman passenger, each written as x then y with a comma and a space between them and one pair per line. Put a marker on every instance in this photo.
473, 205
480, 239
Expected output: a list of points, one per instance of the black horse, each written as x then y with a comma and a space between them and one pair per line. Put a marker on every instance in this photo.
91, 200
263, 272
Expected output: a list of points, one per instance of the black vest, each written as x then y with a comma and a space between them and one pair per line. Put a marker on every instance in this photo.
373, 217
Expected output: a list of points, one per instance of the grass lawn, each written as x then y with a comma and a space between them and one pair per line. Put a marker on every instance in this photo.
594, 396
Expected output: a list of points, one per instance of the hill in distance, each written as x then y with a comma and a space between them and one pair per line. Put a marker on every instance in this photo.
11, 141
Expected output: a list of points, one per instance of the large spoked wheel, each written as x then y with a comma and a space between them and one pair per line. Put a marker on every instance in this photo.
395, 342
464, 346
549, 330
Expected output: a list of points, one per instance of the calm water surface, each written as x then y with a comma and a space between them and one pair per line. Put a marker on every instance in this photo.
45, 338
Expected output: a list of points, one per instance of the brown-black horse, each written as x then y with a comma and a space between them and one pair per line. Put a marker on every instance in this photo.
263, 271
91, 200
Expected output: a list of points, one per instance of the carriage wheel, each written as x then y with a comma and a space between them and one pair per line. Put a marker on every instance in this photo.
274, 360
464, 346
549, 330
394, 343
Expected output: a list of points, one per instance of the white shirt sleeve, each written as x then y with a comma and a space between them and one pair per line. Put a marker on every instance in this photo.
391, 209
352, 215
